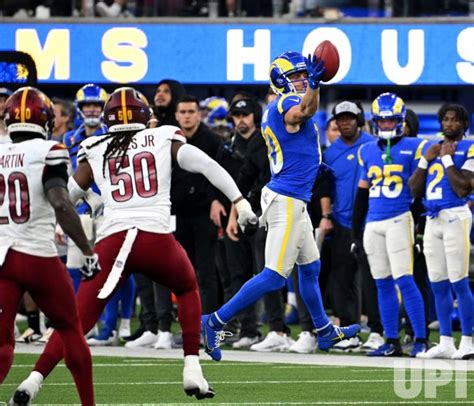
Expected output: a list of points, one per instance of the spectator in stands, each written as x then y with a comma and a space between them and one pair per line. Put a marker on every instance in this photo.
63, 118
4, 93
332, 131
167, 94
193, 201
341, 156
114, 10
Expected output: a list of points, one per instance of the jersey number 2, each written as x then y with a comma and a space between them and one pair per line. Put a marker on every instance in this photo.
16, 189
144, 177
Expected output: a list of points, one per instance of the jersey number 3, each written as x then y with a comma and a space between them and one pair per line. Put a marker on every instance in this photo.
16, 189
144, 181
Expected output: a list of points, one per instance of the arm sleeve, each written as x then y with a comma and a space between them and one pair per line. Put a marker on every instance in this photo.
194, 160
55, 176
361, 206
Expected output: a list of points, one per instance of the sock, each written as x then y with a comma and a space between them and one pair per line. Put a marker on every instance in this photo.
308, 275
464, 296
388, 306
262, 283
34, 321
75, 275
444, 306
414, 305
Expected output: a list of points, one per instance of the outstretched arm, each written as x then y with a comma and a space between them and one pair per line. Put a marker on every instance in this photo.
194, 160
296, 115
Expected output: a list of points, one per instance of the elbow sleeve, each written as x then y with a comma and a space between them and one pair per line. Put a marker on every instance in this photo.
359, 212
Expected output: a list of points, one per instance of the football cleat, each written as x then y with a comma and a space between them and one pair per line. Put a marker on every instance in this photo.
418, 347
387, 350
27, 390
194, 383
337, 335
212, 338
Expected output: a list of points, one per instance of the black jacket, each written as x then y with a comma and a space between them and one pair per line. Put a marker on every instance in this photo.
247, 163
166, 116
191, 193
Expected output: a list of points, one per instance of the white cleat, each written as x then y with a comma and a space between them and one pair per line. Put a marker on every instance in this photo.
164, 341
194, 383
273, 342
374, 341
463, 350
440, 351
146, 340
305, 344
27, 390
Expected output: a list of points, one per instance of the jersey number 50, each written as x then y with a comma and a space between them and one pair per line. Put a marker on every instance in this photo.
144, 177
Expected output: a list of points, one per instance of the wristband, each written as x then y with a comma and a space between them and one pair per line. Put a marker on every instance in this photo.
423, 163
327, 216
447, 161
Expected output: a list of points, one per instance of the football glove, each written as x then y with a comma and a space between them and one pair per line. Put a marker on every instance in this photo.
245, 216
315, 71
90, 268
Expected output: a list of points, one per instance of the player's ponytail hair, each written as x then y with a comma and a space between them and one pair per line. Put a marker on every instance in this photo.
117, 147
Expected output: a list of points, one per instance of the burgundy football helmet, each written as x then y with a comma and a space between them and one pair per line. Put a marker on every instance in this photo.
126, 110
29, 110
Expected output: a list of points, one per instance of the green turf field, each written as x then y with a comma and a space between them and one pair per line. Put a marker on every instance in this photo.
158, 381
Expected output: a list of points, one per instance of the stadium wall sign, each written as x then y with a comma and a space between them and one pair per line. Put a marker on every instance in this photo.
371, 54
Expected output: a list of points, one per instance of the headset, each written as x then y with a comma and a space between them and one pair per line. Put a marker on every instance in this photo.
359, 116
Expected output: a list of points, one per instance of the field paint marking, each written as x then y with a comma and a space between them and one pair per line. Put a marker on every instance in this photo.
153, 364
349, 381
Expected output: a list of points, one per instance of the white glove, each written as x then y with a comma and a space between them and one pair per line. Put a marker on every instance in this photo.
245, 214
90, 268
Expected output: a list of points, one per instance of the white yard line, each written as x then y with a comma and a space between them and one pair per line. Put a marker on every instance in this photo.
275, 357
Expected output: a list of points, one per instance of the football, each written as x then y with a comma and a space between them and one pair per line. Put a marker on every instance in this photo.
328, 53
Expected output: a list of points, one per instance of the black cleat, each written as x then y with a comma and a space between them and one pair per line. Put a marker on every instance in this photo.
199, 396
20, 398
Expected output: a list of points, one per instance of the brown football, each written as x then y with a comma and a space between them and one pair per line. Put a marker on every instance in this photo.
328, 53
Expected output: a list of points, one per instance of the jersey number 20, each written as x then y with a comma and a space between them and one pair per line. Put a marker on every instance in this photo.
16, 189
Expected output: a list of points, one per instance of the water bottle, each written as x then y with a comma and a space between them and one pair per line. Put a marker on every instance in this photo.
213, 9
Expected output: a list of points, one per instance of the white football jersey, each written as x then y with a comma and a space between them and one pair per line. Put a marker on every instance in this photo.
136, 194
27, 219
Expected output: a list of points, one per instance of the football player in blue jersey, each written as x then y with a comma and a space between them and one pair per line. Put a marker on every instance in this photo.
89, 103
294, 153
443, 178
383, 201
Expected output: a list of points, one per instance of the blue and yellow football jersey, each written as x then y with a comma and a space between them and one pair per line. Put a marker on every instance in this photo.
439, 194
294, 157
389, 194
72, 139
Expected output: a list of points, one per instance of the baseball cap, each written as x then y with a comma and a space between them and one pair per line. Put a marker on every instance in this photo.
346, 107
5, 92
243, 106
